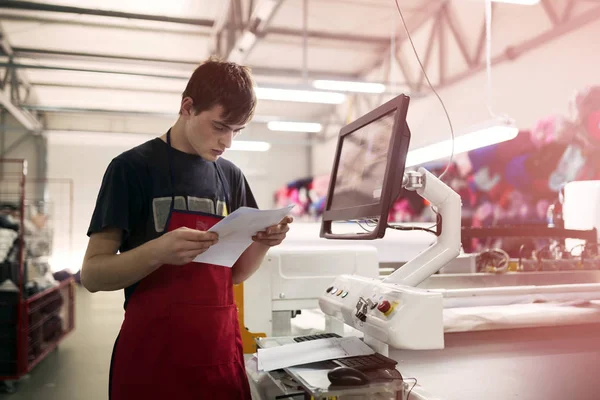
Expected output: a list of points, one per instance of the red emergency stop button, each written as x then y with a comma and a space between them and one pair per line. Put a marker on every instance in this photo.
384, 306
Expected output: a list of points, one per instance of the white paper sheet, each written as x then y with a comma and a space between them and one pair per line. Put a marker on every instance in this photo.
236, 231
311, 351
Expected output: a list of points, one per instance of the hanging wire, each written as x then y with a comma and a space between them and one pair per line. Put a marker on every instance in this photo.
434, 91
488, 55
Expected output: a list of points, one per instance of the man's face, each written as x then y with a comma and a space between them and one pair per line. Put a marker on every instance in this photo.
207, 133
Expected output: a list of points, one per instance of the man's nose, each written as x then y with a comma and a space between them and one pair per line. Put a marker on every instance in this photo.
227, 139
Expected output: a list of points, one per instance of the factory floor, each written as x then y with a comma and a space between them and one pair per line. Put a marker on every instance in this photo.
78, 369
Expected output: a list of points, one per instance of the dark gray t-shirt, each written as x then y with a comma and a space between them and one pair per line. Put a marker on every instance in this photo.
136, 192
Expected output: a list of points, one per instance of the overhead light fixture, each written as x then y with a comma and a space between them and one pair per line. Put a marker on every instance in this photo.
249, 145
242, 47
263, 11
302, 96
283, 126
520, 2
487, 135
95, 138
349, 86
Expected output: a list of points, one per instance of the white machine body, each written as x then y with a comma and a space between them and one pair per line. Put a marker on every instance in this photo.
414, 319
411, 318
294, 277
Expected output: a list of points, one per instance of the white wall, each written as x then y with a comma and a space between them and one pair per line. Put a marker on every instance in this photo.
83, 157
538, 84
535, 85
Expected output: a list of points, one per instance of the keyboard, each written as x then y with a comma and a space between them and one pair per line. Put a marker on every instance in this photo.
315, 337
367, 363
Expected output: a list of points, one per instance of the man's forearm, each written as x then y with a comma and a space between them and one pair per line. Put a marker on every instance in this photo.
249, 262
109, 272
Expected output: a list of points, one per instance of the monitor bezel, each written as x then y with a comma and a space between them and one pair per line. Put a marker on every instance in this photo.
392, 182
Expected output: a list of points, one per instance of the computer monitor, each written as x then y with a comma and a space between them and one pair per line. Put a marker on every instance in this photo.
368, 168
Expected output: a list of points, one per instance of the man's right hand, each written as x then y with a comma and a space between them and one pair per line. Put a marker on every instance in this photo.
182, 245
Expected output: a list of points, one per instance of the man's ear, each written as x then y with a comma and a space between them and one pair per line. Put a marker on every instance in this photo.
187, 106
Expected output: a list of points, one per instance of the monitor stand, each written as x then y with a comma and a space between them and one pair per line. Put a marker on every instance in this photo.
395, 311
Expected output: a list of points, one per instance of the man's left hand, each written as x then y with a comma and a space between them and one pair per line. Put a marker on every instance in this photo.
274, 235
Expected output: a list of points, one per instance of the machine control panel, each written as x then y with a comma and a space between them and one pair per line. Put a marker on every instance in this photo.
375, 303
401, 316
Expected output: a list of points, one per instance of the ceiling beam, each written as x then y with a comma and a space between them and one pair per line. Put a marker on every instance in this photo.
372, 40
34, 6
261, 17
84, 110
6, 101
429, 11
103, 87
38, 53
92, 70
106, 24
513, 52
24, 118
256, 70
270, 31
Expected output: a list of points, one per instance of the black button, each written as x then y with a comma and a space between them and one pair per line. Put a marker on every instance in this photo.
329, 289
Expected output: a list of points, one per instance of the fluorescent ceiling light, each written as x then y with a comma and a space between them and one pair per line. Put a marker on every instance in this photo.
264, 10
118, 139
294, 126
249, 145
302, 96
521, 2
500, 131
349, 86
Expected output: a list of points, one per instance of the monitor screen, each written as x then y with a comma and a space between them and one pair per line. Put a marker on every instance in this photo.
367, 169
362, 165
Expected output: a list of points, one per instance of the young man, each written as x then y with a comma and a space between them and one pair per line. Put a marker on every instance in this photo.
180, 338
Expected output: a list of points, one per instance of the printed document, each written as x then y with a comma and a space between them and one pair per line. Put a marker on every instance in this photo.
311, 351
236, 231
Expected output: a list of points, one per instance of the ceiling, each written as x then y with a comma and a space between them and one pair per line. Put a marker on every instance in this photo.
124, 64
132, 59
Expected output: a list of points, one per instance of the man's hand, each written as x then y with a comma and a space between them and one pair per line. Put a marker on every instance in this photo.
274, 235
182, 245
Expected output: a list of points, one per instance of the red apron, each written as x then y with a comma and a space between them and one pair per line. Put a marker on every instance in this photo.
180, 338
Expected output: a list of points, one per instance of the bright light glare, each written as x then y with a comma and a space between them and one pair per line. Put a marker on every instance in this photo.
348, 86
284, 126
241, 145
520, 2
302, 96
467, 142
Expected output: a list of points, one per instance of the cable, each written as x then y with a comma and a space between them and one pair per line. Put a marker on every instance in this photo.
412, 387
432, 88
488, 58
373, 223
360, 224
412, 228
488, 54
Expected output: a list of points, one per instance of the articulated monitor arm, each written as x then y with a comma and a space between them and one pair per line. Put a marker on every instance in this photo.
447, 247
394, 312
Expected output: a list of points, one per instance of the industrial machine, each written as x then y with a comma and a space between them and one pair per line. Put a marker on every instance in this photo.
363, 186
495, 328
292, 278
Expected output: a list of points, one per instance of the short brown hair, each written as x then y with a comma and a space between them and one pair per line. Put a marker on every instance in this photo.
217, 82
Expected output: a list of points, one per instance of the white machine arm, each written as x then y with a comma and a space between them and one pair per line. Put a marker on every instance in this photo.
395, 312
447, 247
